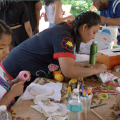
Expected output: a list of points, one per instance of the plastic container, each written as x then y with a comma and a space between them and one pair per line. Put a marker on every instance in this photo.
74, 106
93, 53
85, 111
4, 114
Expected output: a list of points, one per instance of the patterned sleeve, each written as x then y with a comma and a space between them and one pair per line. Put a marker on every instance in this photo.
63, 47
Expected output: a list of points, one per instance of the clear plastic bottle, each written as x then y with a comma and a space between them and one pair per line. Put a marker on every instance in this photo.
4, 115
74, 106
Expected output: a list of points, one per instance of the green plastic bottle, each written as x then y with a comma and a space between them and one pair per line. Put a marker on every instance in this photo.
93, 53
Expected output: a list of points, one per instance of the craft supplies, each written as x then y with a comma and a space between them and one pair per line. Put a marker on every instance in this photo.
85, 107
97, 105
24, 75
59, 77
97, 114
118, 96
105, 91
112, 84
93, 53
104, 96
109, 88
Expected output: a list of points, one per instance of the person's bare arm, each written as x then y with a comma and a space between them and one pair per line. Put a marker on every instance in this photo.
38, 7
28, 28
45, 18
72, 70
15, 91
57, 13
110, 21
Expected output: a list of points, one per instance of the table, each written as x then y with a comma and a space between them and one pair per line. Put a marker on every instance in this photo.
22, 108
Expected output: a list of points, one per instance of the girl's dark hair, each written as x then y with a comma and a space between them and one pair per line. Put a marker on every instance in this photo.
90, 18
4, 29
47, 2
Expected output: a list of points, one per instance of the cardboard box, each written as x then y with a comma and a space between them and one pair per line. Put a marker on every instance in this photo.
109, 57
103, 42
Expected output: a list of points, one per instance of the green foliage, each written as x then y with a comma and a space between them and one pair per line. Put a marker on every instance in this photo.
78, 6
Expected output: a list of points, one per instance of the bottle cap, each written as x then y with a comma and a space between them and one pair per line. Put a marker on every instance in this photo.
3, 107
76, 90
95, 42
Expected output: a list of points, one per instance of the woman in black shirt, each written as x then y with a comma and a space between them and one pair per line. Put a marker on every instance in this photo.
15, 14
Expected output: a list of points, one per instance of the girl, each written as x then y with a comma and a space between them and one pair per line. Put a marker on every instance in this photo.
15, 15
7, 95
53, 49
53, 13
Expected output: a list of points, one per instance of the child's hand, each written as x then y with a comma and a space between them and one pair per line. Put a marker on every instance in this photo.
17, 89
18, 79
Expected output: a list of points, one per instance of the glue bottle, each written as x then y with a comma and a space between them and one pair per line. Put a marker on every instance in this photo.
4, 115
93, 53
74, 106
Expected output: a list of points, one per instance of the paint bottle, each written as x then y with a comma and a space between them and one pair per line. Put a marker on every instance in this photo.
93, 53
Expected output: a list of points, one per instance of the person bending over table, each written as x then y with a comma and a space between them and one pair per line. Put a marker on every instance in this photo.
53, 49
8, 89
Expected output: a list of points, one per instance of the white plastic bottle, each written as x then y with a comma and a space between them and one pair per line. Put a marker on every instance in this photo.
74, 106
4, 115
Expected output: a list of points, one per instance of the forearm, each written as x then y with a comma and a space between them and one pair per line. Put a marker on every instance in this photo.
7, 99
37, 14
28, 28
80, 64
57, 21
113, 21
78, 71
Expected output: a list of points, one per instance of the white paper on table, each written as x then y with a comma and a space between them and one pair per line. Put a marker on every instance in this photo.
82, 57
105, 77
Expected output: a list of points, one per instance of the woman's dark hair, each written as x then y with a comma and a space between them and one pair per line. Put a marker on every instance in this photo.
4, 29
47, 2
90, 18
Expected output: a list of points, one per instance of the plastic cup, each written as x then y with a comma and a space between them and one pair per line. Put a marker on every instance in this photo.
88, 101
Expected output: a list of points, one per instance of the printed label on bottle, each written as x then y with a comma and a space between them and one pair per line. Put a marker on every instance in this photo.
74, 108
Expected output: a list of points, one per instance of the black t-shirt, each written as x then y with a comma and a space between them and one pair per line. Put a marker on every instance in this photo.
31, 11
19, 14
39, 53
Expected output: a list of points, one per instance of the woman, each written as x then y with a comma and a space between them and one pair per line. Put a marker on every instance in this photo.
53, 13
15, 15
52, 49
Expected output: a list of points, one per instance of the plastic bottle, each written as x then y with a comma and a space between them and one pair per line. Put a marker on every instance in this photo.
74, 106
4, 115
93, 53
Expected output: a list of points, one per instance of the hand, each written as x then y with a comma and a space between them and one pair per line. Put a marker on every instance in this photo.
100, 68
116, 67
63, 12
103, 20
17, 79
36, 29
71, 17
17, 89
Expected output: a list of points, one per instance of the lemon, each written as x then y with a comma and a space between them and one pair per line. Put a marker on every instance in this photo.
59, 77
